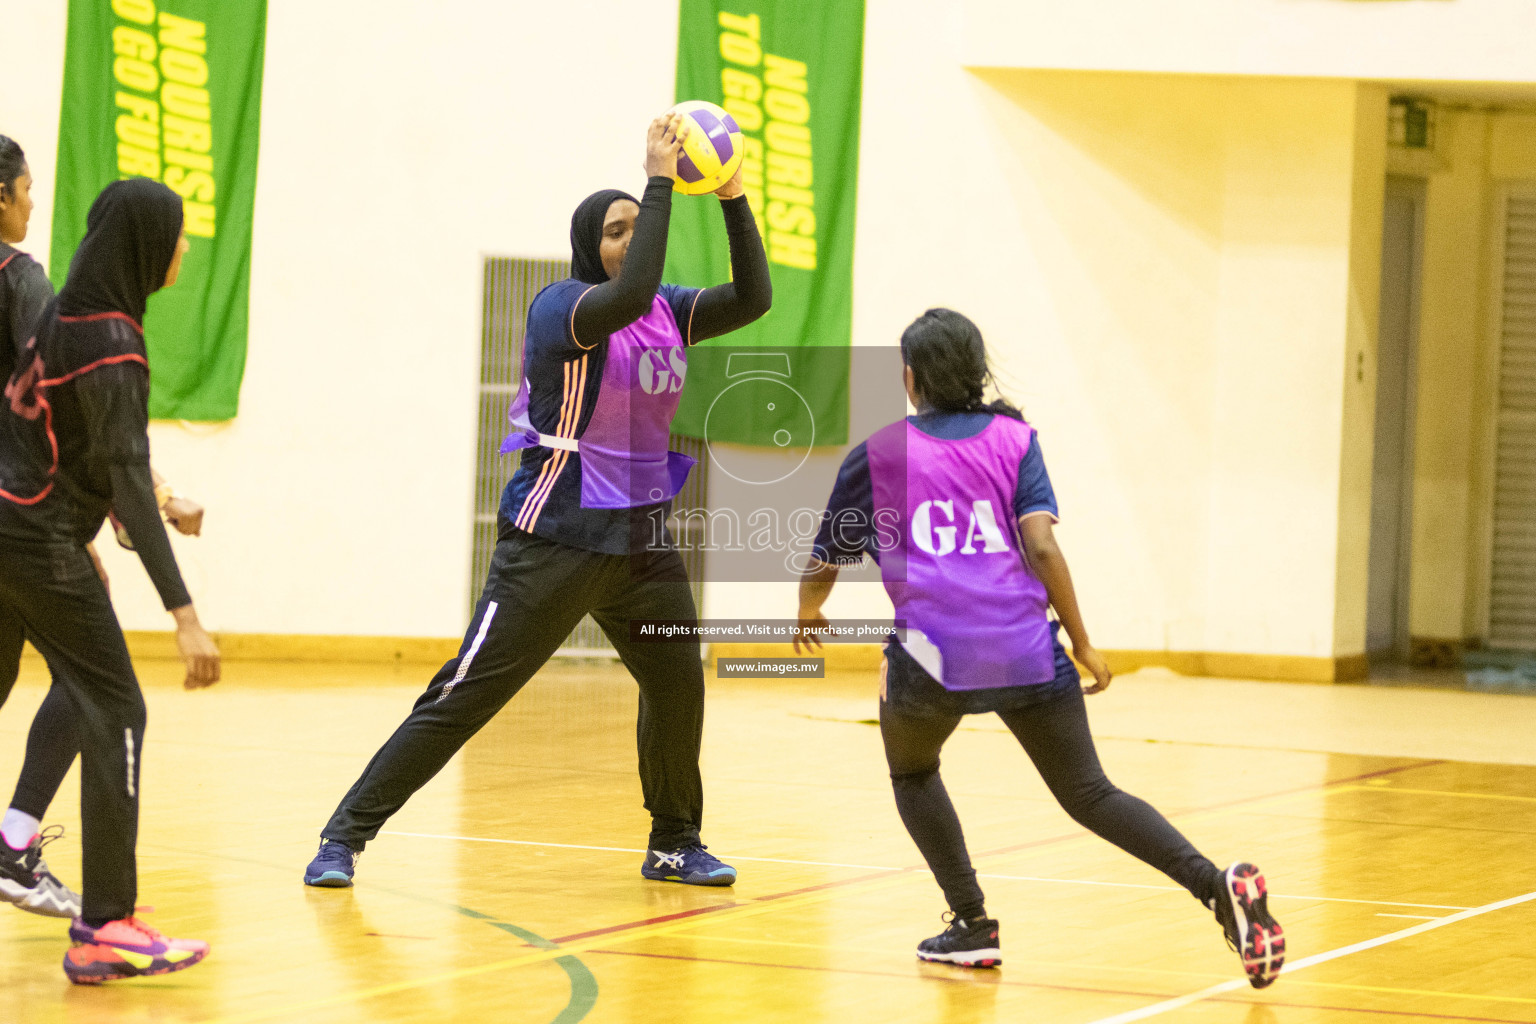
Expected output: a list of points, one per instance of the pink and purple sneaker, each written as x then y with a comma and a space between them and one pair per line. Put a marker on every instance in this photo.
126, 948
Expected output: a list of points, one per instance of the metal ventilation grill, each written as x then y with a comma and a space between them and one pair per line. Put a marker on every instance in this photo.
1513, 604
510, 285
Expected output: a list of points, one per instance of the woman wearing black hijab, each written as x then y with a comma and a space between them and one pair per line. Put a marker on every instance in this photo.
604, 359
73, 443
51, 742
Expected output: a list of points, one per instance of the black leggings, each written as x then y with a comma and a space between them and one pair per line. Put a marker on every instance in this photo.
52, 742
53, 591
918, 716
536, 592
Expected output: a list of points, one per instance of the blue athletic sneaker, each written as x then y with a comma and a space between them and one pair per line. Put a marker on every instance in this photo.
691, 865
332, 867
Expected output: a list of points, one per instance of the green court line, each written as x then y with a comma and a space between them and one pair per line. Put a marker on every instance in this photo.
583, 982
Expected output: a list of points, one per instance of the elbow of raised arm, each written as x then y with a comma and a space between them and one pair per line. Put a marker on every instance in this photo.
761, 300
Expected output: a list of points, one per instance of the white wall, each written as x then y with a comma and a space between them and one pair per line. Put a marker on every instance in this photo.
1471, 40
1168, 267
400, 143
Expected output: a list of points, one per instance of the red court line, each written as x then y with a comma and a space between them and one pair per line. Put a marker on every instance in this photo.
995, 980
840, 883
700, 911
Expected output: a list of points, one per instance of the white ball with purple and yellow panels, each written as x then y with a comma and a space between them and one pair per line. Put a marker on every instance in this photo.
711, 153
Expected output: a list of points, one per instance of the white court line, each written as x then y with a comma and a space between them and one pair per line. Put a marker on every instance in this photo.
1416, 917
887, 867
1180, 1002
1273, 895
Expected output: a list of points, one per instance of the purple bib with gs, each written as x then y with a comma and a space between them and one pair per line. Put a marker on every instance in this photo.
954, 563
624, 458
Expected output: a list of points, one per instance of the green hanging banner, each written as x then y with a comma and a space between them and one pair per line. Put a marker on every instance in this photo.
171, 90
789, 74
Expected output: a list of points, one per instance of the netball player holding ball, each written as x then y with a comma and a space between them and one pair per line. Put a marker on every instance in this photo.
971, 563
603, 364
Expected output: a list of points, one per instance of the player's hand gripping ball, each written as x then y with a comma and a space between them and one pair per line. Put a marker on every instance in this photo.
711, 153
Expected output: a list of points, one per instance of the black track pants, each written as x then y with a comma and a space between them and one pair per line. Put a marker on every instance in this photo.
917, 717
62, 605
536, 592
52, 743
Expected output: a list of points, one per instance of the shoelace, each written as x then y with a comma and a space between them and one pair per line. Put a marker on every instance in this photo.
338, 852
149, 933
32, 860
954, 921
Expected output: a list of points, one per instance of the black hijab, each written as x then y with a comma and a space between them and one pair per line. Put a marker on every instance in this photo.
587, 234
130, 240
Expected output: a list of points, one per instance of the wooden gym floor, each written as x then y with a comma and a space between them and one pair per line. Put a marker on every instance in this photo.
1397, 828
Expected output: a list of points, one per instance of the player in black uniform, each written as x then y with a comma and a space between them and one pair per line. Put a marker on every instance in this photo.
73, 444
51, 743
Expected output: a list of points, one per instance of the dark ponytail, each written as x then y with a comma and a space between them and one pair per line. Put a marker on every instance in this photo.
949, 364
12, 162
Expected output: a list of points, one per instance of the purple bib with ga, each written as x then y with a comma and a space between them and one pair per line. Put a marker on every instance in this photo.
955, 569
624, 458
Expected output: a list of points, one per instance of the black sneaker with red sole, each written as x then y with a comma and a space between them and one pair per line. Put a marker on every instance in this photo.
1242, 909
971, 943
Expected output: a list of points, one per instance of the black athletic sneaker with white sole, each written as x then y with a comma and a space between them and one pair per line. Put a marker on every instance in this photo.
972, 943
1243, 911
26, 881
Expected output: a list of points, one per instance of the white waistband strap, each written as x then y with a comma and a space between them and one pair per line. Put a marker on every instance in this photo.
551, 441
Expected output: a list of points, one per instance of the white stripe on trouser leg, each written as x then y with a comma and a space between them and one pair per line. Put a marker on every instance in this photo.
474, 648
128, 742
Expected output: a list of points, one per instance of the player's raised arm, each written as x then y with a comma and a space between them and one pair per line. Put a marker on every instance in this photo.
749, 293
625, 270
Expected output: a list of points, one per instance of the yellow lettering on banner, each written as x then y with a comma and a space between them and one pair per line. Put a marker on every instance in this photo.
133, 162
197, 185
198, 219
794, 139
186, 101
740, 49
784, 105
784, 193
135, 132
798, 220
141, 11
181, 66
181, 158
141, 107
792, 251
735, 84
783, 73
748, 25
135, 43
184, 133
183, 33
782, 169
752, 174
136, 74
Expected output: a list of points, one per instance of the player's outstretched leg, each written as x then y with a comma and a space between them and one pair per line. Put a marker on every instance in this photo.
912, 744
1055, 734
516, 627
